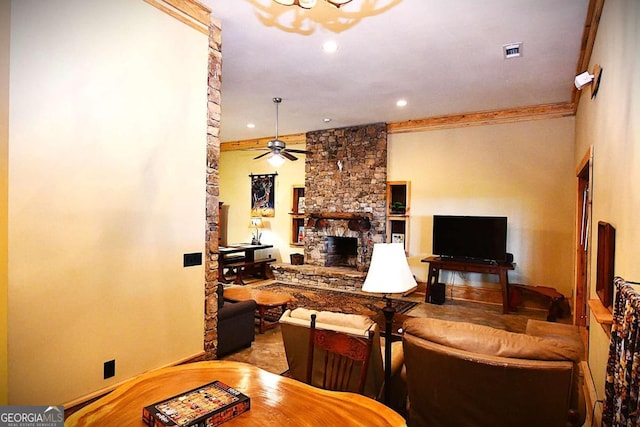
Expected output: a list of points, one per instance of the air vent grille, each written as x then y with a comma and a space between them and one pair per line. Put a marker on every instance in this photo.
512, 50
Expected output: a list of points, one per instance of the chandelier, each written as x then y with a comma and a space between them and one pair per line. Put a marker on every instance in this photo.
308, 4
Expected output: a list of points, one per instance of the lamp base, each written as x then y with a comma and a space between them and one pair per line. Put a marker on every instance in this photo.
389, 311
255, 241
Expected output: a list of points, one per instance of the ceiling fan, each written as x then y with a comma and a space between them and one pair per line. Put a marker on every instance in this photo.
277, 148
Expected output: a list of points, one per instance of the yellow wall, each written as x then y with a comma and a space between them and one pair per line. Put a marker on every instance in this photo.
5, 11
235, 192
107, 148
521, 170
610, 124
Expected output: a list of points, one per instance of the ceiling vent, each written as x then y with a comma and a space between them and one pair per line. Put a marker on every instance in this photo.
512, 50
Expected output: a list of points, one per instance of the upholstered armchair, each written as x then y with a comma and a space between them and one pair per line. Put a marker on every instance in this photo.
462, 374
236, 324
295, 326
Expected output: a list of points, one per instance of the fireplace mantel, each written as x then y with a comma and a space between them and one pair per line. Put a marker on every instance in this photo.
341, 215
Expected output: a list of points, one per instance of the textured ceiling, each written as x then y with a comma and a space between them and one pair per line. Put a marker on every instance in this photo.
443, 57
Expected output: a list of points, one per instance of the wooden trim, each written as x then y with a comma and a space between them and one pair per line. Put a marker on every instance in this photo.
189, 12
603, 315
81, 401
253, 144
520, 114
511, 115
592, 21
592, 403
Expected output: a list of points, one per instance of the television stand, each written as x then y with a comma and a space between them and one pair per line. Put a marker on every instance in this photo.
500, 269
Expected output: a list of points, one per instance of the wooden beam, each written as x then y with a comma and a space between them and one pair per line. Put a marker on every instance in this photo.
253, 144
594, 12
519, 114
190, 12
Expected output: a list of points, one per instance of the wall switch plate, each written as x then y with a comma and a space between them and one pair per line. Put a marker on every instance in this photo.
109, 369
190, 260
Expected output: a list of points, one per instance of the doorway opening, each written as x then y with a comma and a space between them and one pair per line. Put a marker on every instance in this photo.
584, 175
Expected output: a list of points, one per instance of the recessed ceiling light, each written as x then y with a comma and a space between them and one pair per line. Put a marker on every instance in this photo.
326, 120
251, 125
401, 102
330, 46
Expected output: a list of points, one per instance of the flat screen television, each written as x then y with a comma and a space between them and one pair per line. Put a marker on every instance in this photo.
478, 238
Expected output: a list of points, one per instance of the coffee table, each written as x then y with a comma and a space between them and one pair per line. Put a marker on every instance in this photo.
264, 300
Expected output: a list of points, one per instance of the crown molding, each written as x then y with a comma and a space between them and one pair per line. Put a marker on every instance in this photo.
190, 12
511, 115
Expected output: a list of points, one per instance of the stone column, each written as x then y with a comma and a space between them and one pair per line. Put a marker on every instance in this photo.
212, 185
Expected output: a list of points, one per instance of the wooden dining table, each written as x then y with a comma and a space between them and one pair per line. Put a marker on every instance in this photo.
275, 400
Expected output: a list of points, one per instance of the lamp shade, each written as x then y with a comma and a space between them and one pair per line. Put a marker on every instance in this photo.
256, 222
389, 272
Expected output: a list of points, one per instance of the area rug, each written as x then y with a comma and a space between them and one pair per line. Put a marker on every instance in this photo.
329, 300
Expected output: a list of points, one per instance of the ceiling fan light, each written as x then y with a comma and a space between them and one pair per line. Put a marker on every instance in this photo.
276, 160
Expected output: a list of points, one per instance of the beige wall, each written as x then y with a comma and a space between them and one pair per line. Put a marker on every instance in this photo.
235, 192
107, 156
5, 12
610, 124
522, 170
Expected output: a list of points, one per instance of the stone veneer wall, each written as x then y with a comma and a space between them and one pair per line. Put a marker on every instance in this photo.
213, 191
358, 187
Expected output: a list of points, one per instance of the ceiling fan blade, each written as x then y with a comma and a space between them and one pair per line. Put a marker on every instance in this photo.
298, 151
286, 155
262, 155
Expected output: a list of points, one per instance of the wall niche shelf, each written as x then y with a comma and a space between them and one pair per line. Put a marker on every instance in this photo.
297, 216
398, 213
602, 314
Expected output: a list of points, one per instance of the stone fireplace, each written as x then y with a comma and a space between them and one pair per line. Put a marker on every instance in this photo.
345, 189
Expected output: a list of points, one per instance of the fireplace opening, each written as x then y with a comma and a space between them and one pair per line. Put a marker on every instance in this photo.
341, 251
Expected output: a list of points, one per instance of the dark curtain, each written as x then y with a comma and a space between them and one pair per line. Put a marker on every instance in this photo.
623, 367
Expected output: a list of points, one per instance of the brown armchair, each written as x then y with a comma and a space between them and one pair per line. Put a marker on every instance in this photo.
462, 374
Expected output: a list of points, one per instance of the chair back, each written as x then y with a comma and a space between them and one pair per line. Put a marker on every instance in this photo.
453, 381
346, 358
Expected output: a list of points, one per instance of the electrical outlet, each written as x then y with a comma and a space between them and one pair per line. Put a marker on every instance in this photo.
109, 369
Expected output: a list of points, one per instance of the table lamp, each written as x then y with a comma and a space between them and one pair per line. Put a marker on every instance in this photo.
389, 273
256, 222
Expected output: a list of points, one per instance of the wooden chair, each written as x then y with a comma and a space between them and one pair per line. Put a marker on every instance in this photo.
344, 353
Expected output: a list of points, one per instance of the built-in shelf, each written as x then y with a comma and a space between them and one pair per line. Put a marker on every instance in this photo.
603, 315
297, 216
398, 213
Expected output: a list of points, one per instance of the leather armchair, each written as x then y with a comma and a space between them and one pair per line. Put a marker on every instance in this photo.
236, 324
462, 374
295, 334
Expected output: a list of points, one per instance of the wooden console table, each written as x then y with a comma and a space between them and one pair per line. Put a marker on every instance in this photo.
244, 263
275, 400
500, 269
